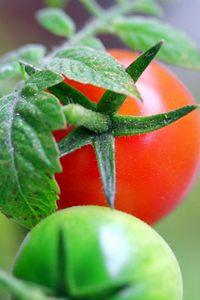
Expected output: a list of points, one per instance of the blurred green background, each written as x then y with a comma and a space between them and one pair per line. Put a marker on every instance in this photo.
182, 228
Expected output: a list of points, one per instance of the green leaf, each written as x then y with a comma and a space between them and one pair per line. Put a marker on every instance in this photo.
9, 63
44, 79
56, 3
130, 125
63, 91
95, 67
93, 7
78, 138
91, 42
111, 101
67, 94
56, 21
104, 146
150, 7
140, 33
28, 155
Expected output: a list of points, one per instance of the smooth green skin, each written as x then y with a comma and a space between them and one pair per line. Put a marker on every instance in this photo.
104, 250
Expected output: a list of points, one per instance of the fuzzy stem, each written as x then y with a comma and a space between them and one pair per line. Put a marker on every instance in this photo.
78, 115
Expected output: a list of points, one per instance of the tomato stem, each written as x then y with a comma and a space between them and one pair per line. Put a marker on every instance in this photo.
78, 115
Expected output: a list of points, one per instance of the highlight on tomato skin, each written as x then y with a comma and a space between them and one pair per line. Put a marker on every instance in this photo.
154, 171
92, 252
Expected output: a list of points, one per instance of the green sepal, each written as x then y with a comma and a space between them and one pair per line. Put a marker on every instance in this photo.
136, 69
111, 101
130, 125
76, 139
104, 146
67, 94
56, 21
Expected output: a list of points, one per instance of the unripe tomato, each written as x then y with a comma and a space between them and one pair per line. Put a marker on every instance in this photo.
92, 252
154, 171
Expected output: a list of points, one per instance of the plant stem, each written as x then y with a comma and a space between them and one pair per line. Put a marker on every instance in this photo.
78, 115
101, 24
20, 289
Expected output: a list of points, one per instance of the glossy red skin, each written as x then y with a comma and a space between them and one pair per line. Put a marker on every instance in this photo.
154, 171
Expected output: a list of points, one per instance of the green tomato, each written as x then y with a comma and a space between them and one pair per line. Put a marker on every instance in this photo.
93, 252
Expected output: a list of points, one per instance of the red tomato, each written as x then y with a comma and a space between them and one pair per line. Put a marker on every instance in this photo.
154, 171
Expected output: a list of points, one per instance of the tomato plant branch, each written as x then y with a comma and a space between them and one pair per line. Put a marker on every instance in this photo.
102, 24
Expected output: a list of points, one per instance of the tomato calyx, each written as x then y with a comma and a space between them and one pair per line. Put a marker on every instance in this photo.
99, 124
